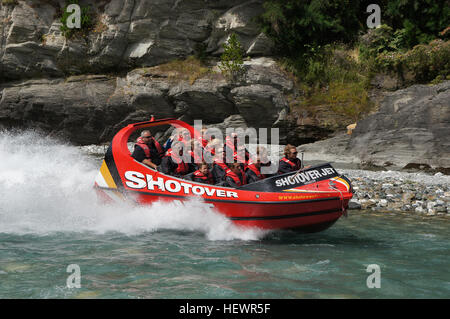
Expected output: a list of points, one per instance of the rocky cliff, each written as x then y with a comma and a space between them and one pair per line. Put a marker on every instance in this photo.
87, 87
410, 130
126, 34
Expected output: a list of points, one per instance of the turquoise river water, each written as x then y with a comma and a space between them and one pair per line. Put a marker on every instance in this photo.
50, 219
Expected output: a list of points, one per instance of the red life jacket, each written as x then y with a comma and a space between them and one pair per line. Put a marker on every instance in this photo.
236, 178
203, 141
255, 170
146, 148
158, 147
221, 165
205, 179
295, 166
182, 167
229, 142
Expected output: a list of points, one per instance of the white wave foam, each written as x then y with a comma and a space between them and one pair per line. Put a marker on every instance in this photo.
46, 187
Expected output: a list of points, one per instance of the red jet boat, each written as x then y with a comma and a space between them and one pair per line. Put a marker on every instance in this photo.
310, 200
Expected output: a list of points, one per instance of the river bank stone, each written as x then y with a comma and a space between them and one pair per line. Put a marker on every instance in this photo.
400, 192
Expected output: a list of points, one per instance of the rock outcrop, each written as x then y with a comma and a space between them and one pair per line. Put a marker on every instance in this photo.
85, 88
411, 129
127, 34
89, 109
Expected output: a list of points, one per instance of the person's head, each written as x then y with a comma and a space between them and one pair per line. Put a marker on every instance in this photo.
146, 136
203, 168
256, 160
235, 167
290, 151
261, 153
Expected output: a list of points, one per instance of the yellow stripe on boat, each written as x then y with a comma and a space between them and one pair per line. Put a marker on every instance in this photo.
107, 176
304, 191
343, 181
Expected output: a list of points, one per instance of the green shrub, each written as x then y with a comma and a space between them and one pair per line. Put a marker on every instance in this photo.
9, 2
232, 60
422, 20
425, 61
296, 24
429, 61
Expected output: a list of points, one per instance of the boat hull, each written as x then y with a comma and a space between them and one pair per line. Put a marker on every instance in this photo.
308, 215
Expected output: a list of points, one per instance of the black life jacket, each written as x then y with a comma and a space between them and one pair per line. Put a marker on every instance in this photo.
255, 170
295, 166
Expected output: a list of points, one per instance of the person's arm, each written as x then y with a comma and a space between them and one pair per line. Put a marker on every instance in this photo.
168, 144
149, 163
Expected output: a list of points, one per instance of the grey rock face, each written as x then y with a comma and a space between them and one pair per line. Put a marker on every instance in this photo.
260, 105
90, 109
412, 126
127, 34
68, 108
411, 129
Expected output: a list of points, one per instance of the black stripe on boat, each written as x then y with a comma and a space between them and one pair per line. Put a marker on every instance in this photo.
321, 212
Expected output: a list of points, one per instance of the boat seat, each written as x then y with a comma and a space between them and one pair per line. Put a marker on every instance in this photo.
189, 177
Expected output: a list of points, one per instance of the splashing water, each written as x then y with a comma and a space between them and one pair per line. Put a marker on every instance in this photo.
46, 187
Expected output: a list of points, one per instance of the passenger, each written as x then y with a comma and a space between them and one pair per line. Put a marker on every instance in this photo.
290, 162
203, 175
173, 164
235, 177
196, 155
253, 171
147, 150
219, 169
211, 147
232, 145
178, 135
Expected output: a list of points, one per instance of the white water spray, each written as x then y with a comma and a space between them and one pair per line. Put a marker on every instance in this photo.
47, 186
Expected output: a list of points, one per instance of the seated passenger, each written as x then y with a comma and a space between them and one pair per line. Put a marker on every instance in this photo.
203, 175
234, 148
253, 171
173, 164
235, 177
219, 168
147, 150
290, 162
195, 155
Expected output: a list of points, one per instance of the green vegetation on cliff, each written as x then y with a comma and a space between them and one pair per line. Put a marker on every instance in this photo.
333, 55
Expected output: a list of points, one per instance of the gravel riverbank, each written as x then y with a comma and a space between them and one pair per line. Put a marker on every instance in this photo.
418, 193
